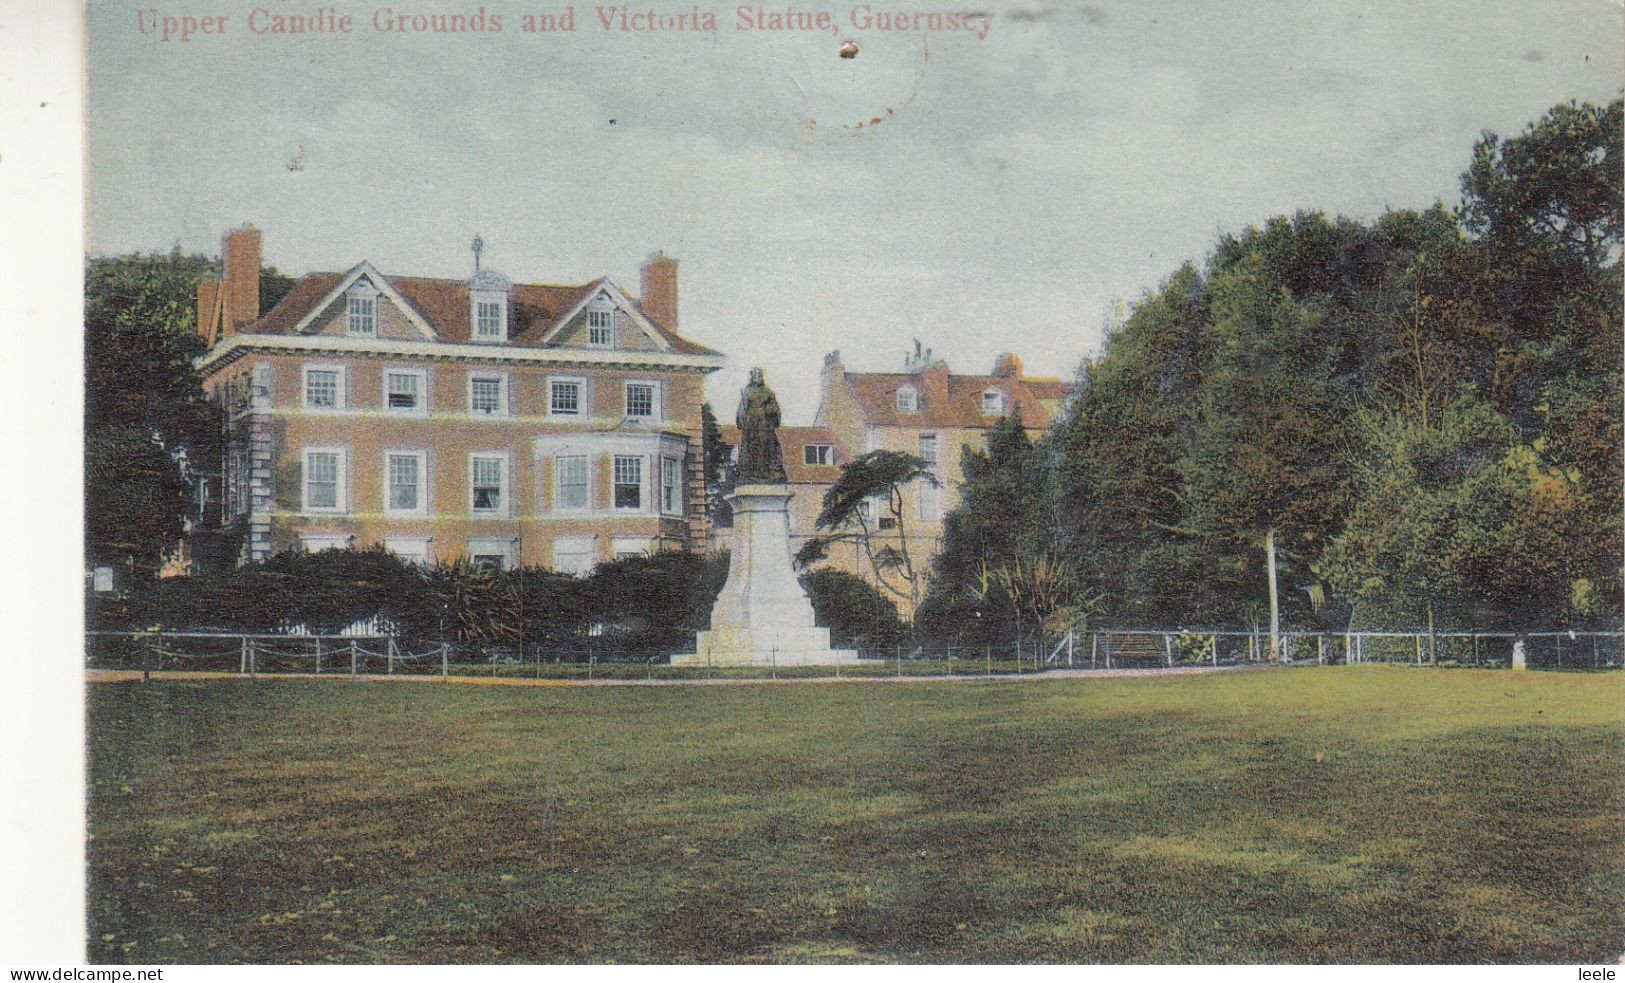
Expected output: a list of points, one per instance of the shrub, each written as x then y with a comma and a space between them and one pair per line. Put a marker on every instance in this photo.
853, 610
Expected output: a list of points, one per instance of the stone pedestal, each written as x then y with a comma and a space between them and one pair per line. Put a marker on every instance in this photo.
762, 617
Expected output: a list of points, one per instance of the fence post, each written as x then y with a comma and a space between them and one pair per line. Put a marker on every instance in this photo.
242, 657
1168, 648
1094, 647
318, 655
899, 658
1320, 648
445, 660
253, 658
1213, 650
990, 660
1596, 659
1418, 649
352, 657
774, 655
389, 655
1560, 651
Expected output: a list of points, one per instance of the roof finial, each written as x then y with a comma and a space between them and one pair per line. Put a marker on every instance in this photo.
478, 246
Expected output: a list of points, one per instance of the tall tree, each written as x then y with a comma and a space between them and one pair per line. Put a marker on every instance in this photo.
145, 412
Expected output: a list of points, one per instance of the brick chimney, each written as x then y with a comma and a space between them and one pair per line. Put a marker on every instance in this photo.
241, 279
1007, 366
659, 295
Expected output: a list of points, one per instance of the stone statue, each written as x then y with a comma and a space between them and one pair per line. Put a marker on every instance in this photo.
760, 460
762, 616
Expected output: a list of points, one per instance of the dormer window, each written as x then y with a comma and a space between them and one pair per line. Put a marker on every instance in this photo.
488, 320
908, 400
993, 403
488, 306
363, 308
601, 328
818, 455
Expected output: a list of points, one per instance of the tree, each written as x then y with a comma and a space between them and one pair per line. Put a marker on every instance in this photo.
145, 411
1265, 464
140, 340
714, 456
1554, 190
1003, 514
878, 477
137, 498
1122, 498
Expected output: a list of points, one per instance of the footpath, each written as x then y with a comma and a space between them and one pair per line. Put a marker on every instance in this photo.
136, 675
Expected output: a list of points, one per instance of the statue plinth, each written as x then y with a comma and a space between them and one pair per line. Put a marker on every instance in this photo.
762, 617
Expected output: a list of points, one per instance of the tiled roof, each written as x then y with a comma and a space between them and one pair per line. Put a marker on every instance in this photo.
792, 441
876, 394
444, 305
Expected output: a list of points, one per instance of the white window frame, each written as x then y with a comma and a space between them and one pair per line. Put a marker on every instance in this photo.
503, 395
362, 291
622, 547
999, 403
416, 550
321, 542
827, 458
341, 493
654, 414
423, 483
505, 498
502, 546
911, 397
341, 387
580, 383
101, 579
935, 460
606, 310
931, 495
671, 480
576, 546
615, 483
558, 482
498, 332
422, 376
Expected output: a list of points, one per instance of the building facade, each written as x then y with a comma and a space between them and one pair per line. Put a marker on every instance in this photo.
509, 424
930, 412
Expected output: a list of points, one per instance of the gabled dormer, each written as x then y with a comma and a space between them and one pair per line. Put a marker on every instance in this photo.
606, 318
363, 304
490, 297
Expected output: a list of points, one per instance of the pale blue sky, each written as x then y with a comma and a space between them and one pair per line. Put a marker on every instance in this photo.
1019, 186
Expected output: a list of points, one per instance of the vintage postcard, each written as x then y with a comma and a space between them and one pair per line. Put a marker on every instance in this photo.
853, 482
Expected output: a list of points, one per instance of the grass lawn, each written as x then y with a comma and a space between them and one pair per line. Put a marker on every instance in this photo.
1359, 814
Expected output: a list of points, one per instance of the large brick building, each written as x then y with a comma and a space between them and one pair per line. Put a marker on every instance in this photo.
544, 425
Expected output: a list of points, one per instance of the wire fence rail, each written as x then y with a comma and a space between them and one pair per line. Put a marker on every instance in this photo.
1111, 648
1108, 649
